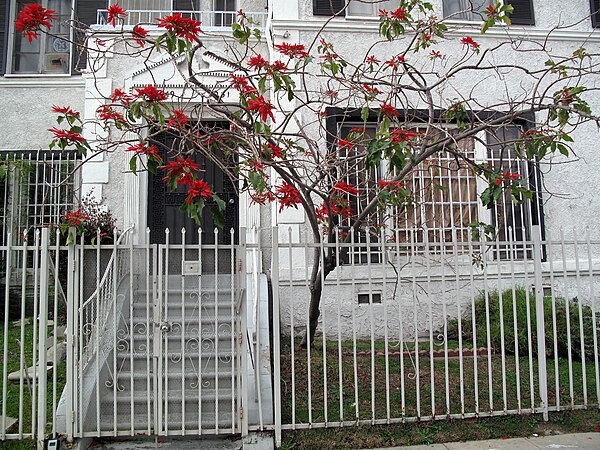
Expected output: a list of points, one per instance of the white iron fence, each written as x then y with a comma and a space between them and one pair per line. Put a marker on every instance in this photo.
158, 340
427, 331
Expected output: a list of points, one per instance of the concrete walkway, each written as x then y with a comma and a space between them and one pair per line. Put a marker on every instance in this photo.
580, 441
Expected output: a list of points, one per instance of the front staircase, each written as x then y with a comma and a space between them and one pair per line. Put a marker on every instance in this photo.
168, 363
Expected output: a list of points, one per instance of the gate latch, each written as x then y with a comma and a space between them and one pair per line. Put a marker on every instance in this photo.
165, 327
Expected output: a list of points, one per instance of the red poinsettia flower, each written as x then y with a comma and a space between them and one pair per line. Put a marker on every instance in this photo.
178, 119
32, 18
182, 170
399, 135
139, 34
292, 50
371, 59
119, 95
151, 94
105, 112
198, 189
66, 110
264, 108
144, 149
76, 218
241, 83
278, 66
371, 90
288, 195
67, 135
345, 144
346, 187
399, 14
183, 27
276, 151
257, 62
390, 185
388, 110
395, 62
115, 12
470, 43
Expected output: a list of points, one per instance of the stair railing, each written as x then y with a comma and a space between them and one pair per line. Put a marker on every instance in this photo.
95, 310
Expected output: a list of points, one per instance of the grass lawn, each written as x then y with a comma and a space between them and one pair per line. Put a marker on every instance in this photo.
16, 334
426, 433
362, 392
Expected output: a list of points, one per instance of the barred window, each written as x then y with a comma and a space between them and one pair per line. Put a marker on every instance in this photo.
444, 191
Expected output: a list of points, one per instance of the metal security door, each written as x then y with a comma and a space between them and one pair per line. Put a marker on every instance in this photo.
197, 339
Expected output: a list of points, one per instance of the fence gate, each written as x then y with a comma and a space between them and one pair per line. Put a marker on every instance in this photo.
159, 342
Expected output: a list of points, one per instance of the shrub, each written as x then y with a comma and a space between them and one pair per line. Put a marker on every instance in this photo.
518, 303
90, 218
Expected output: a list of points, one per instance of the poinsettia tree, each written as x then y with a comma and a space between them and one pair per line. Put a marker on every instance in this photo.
278, 135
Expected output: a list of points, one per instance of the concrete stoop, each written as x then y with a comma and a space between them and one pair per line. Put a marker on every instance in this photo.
254, 441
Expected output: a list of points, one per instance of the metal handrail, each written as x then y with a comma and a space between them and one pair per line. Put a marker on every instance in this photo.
108, 267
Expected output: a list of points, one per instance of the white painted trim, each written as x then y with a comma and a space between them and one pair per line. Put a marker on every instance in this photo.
20, 81
462, 28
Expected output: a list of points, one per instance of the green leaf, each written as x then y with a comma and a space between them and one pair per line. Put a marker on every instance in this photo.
133, 164
262, 85
364, 113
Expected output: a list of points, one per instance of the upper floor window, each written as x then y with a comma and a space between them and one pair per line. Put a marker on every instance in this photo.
49, 54
474, 10
367, 9
595, 10
466, 9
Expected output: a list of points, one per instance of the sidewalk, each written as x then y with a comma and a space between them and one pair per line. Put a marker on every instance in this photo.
580, 441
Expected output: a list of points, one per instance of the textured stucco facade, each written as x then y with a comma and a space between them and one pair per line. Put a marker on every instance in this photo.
570, 199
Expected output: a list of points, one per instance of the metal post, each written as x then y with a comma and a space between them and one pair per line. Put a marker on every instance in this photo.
539, 315
243, 333
276, 335
42, 323
71, 311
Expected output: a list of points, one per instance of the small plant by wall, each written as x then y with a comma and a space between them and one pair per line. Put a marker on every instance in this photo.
566, 317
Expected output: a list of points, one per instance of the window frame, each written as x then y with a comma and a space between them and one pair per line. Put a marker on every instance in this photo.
10, 45
533, 211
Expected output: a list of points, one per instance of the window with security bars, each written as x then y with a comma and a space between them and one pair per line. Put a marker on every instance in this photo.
444, 208
38, 189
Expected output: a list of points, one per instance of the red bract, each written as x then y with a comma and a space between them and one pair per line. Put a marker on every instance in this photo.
288, 195
76, 218
399, 135
399, 14
257, 62
395, 62
139, 34
181, 170
66, 110
388, 110
372, 60
32, 18
261, 198
115, 12
183, 27
276, 152
469, 42
178, 119
390, 185
198, 188
264, 108
345, 144
122, 96
371, 90
435, 54
67, 135
277, 66
292, 50
105, 112
240, 83
151, 94
346, 187
144, 149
